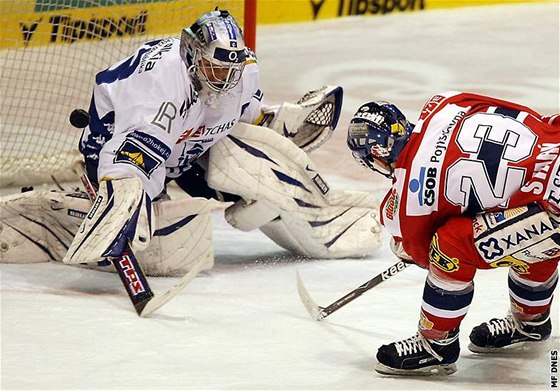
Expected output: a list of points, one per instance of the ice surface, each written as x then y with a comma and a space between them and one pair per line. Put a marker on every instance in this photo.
241, 326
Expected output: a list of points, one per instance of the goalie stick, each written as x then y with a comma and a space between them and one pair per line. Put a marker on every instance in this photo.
319, 313
129, 270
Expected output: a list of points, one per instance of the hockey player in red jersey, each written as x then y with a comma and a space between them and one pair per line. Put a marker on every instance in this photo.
476, 185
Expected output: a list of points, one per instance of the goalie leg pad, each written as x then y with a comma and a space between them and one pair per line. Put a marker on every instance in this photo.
38, 226
337, 231
258, 164
247, 216
121, 213
183, 235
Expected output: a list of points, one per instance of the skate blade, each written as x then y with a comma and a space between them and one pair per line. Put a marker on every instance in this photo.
433, 370
509, 349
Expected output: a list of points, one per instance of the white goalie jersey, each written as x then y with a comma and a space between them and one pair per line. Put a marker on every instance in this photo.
163, 123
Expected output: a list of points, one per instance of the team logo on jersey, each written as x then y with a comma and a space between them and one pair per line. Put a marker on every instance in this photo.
430, 106
441, 260
425, 186
490, 249
138, 156
191, 133
195, 151
392, 205
519, 266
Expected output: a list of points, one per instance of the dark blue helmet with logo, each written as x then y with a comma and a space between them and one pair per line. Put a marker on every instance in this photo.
377, 134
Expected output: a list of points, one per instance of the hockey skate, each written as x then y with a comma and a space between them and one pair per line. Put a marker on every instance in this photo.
499, 334
417, 356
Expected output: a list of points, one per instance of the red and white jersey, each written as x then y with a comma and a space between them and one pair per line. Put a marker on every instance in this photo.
470, 153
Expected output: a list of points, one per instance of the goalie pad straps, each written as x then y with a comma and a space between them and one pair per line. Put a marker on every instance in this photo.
258, 164
310, 122
121, 212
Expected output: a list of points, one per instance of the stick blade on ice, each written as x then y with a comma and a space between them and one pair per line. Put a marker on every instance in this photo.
313, 309
159, 300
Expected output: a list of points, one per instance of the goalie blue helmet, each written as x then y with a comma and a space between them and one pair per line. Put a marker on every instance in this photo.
377, 135
214, 51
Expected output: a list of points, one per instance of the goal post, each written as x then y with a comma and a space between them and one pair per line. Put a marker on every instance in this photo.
50, 51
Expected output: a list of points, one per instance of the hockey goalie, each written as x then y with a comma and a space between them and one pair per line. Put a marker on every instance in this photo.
257, 175
189, 110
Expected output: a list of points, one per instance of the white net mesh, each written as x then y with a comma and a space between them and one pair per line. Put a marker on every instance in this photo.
50, 51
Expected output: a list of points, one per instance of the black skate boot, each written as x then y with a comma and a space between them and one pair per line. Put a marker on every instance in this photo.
417, 356
498, 334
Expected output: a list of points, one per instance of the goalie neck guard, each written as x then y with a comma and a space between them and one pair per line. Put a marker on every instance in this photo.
214, 52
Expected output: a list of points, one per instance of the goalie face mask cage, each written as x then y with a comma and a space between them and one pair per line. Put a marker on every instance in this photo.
377, 135
213, 50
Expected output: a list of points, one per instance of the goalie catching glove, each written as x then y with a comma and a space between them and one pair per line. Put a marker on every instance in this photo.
310, 122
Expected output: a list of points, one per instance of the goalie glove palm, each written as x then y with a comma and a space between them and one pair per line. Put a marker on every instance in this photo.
310, 122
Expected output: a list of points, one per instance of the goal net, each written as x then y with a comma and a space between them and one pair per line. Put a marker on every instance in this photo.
50, 51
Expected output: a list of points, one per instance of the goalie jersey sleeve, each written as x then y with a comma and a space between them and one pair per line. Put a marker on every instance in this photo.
467, 154
148, 120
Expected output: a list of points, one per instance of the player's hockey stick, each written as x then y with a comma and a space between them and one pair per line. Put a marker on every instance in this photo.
129, 270
319, 313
